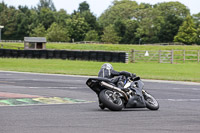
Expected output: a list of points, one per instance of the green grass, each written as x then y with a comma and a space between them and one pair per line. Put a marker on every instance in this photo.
109, 47
182, 72
118, 47
11, 45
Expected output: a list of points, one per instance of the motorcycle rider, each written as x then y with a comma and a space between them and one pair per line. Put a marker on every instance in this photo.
118, 78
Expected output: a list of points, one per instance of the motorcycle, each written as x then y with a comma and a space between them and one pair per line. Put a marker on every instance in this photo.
115, 99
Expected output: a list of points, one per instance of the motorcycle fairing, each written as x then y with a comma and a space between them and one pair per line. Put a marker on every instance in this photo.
137, 100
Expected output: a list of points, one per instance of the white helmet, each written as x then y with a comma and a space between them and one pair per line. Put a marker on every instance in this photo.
105, 70
107, 66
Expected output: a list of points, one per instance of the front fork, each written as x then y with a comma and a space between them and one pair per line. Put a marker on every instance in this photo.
143, 92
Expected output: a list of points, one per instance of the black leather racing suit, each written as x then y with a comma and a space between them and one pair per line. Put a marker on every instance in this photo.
119, 78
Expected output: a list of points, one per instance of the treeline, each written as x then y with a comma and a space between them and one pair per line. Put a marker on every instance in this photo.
124, 22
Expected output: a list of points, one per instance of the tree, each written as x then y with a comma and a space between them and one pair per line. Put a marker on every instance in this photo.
126, 30
150, 22
174, 14
8, 18
145, 5
198, 36
57, 33
123, 9
23, 22
187, 33
84, 6
127, 20
46, 17
46, 4
38, 31
77, 27
90, 19
196, 18
3, 6
61, 16
92, 35
110, 35
17, 22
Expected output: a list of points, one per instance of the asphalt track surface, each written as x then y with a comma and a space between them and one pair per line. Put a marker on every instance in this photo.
179, 107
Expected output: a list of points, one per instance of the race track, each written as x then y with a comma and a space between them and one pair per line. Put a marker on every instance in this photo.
47, 103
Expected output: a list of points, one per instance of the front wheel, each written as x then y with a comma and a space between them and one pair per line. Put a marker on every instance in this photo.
111, 100
151, 102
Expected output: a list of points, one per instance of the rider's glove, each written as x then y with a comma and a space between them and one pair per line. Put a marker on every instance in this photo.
133, 75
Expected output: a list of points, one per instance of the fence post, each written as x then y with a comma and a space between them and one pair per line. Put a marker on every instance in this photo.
132, 56
126, 58
183, 56
172, 56
159, 57
198, 54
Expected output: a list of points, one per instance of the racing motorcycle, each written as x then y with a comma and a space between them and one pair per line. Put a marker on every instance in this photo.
115, 99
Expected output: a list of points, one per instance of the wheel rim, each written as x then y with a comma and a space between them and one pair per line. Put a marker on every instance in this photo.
151, 100
113, 97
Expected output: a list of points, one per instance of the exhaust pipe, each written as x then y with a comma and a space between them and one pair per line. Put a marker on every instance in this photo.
111, 87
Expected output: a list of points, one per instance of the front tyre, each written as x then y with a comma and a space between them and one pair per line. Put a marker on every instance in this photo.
111, 100
151, 102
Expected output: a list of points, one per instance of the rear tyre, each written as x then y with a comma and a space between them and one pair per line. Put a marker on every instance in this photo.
111, 100
151, 102
101, 106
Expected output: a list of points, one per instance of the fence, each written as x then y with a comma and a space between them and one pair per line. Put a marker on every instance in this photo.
66, 54
165, 56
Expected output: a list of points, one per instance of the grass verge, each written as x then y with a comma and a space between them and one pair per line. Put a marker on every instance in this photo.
181, 72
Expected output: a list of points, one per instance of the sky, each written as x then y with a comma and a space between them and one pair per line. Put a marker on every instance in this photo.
98, 6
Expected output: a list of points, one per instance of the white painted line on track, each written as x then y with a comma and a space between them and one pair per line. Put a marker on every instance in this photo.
64, 75
180, 100
146, 80
171, 82
41, 79
192, 89
55, 87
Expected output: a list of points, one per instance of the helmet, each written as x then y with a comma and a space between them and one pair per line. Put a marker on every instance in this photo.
107, 66
105, 70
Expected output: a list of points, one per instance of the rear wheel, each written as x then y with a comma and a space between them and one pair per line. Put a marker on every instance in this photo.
111, 100
151, 102
101, 106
